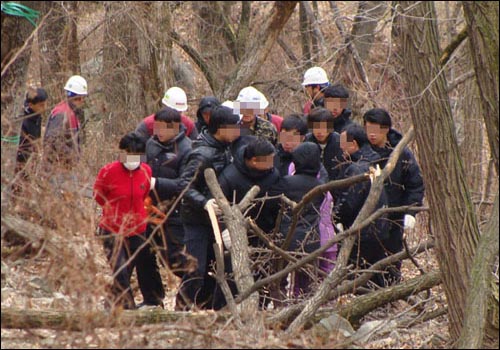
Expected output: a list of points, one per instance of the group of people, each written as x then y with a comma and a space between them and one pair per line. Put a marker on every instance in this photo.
156, 202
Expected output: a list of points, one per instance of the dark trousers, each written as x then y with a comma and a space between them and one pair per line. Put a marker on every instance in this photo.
393, 245
198, 287
119, 251
169, 241
366, 253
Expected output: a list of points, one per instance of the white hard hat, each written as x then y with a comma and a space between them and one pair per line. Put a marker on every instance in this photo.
175, 98
228, 104
315, 75
251, 94
263, 100
77, 85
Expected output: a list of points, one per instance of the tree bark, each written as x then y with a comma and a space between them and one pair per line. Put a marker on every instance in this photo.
452, 212
364, 304
481, 313
82, 320
259, 49
482, 26
130, 77
365, 23
57, 40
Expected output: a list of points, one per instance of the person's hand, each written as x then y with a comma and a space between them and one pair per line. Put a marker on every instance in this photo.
153, 183
226, 238
409, 222
211, 202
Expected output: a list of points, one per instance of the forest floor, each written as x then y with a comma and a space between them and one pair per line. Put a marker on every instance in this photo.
24, 286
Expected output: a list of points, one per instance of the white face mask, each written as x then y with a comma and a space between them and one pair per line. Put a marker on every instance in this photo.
131, 165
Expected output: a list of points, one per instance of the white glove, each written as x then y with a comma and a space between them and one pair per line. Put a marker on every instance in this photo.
409, 222
211, 202
226, 238
153, 183
340, 227
375, 172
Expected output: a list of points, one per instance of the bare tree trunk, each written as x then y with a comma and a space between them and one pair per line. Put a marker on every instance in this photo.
55, 47
259, 49
130, 76
482, 26
481, 313
304, 35
452, 212
365, 23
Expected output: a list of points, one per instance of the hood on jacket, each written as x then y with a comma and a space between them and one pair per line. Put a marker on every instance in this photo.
394, 137
307, 158
208, 101
240, 164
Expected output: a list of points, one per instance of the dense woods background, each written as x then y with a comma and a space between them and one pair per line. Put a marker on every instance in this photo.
432, 65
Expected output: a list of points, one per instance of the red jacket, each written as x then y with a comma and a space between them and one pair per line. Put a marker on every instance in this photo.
188, 123
277, 121
121, 193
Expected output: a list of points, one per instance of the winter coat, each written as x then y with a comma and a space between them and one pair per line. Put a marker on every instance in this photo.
276, 120
332, 157
166, 161
61, 139
306, 235
343, 121
262, 128
283, 159
31, 130
121, 193
352, 198
237, 179
405, 185
207, 153
145, 128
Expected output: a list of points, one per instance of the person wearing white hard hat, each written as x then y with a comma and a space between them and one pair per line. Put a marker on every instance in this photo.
174, 98
250, 105
61, 139
315, 81
273, 118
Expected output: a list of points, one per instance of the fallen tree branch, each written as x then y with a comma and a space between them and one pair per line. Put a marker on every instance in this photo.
81, 320
366, 303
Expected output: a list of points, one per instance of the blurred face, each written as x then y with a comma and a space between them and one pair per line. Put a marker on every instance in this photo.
261, 163
125, 157
249, 110
290, 139
377, 134
312, 91
39, 107
165, 131
228, 133
348, 146
321, 131
78, 101
335, 105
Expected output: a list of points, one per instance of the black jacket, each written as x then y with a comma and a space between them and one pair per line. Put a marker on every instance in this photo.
237, 179
352, 199
166, 162
207, 153
306, 235
31, 131
405, 185
332, 157
343, 121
